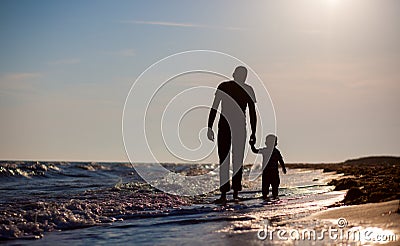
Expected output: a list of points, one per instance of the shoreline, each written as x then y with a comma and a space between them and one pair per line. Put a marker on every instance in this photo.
375, 179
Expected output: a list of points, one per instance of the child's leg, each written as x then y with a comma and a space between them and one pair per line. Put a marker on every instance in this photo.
265, 189
275, 190
275, 185
265, 184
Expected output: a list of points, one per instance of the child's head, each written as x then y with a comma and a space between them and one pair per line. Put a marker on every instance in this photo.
271, 140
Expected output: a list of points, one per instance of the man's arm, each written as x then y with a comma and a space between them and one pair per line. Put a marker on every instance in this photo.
254, 149
211, 117
253, 121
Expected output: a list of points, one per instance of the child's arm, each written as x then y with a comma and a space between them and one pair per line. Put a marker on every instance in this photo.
253, 148
282, 163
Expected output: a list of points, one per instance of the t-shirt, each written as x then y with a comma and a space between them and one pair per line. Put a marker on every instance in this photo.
273, 160
234, 100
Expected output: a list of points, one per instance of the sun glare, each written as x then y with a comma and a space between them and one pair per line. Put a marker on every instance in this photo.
333, 2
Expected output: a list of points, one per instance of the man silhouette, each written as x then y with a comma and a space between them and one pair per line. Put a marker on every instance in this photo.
234, 97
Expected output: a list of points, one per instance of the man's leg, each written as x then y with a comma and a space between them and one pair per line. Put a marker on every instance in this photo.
238, 145
224, 146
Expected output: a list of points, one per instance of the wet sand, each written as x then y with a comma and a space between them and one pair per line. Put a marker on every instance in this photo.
380, 218
371, 184
384, 215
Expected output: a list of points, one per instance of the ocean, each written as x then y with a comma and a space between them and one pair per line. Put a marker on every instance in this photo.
81, 203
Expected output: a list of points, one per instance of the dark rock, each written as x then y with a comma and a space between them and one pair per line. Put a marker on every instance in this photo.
377, 196
327, 170
344, 184
353, 196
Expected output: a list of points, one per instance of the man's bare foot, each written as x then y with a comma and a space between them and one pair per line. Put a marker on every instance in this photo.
221, 200
236, 195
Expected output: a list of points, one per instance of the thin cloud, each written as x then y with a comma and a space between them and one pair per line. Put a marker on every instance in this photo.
20, 76
126, 52
65, 61
16, 83
177, 24
163, 23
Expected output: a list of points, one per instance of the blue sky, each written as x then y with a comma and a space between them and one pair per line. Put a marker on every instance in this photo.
331, 68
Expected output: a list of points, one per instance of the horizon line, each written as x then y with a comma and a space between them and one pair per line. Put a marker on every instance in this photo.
166, 162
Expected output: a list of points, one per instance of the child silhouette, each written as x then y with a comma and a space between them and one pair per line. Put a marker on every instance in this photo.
271, 157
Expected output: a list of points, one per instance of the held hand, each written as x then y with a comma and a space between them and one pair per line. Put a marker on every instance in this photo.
210, 134
252, 140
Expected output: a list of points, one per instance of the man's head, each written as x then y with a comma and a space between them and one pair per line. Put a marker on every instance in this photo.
240, 74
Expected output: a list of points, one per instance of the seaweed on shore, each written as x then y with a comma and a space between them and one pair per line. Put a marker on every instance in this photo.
371, 179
